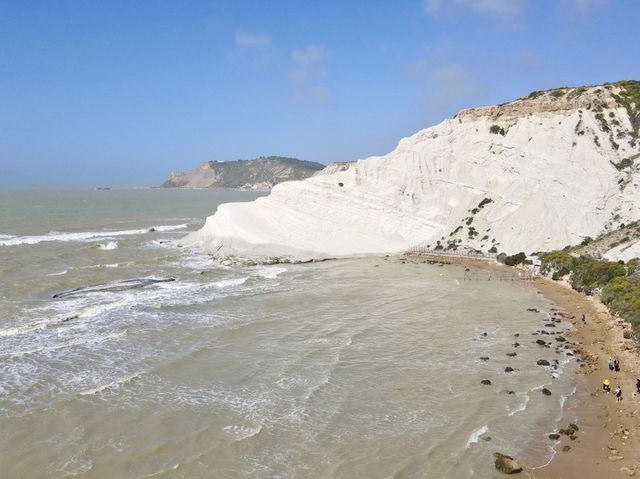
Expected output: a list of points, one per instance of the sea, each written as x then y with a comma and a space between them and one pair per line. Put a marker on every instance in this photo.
123, 354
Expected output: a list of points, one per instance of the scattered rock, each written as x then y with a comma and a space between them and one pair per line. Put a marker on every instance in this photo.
566, 448
541, 342
486, 438
515, 345
573, 437
546, 392
615, 458
507, 464
550, 325
517, 335
542, 362
511, 355
574, 427
484, 334
560, 338
484, 358
486, 382
534, 310
554, 436
629, 471
508, 369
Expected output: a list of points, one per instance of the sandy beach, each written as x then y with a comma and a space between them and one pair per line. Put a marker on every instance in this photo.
606, 443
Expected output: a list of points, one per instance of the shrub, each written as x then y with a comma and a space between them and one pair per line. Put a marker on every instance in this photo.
485, 201
591, 274
496, 129
586, 241
515, 259
493, 249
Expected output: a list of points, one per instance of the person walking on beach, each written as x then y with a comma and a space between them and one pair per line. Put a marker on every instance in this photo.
584, 321
618, 394
610, 364
638, 385
605, 386
616, 365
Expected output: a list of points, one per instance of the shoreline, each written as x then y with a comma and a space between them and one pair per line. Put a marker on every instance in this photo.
605, 445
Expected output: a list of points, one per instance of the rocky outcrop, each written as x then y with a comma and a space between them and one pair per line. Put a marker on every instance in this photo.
261, 173
537, 174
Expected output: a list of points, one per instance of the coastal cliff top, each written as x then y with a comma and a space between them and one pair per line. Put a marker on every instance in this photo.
598, 97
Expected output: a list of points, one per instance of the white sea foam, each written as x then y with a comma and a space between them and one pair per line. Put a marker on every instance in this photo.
83, 235
59, 274
239, 433
109, 246
523, 405
225, 283
475, 435
102, 387
170, 227
269, 272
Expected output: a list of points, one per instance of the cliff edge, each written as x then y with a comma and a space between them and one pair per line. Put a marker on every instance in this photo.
539, 173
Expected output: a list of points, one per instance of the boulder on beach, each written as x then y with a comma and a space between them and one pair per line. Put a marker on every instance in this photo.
486, 382
542, 362
506, 464
546, 392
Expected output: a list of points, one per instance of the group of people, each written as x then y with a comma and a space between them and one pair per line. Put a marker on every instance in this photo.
606, 387
614, 365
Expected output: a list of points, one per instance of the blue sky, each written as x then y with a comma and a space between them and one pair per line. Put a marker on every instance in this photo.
124, 92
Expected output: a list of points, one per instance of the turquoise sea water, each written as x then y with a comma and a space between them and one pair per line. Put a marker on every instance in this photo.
154, 361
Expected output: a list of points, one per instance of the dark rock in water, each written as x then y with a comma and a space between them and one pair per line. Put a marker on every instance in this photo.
566, 448
484, 358
511, 355
540, 342
546, 392
550, 325
484, 334
113, 287
534, 310
574, 427
542, 362
511, 392
560, 338
151, 230
508, 369
517, 335
69, 318
569, 354
507, 464
554, 436
486, 382
515, 345
573, 438
544, 332
486, 438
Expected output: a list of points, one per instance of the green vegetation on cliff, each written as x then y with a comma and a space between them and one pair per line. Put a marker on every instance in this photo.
618, 283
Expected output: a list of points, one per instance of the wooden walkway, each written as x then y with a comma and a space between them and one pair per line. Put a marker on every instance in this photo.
467, 257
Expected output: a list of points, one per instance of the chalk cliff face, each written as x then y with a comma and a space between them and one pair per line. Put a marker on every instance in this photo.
260, 173
536, 174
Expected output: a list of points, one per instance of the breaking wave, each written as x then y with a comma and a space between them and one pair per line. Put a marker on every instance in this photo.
10, 240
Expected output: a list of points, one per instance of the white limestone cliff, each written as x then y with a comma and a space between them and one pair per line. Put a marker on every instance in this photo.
549, 169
